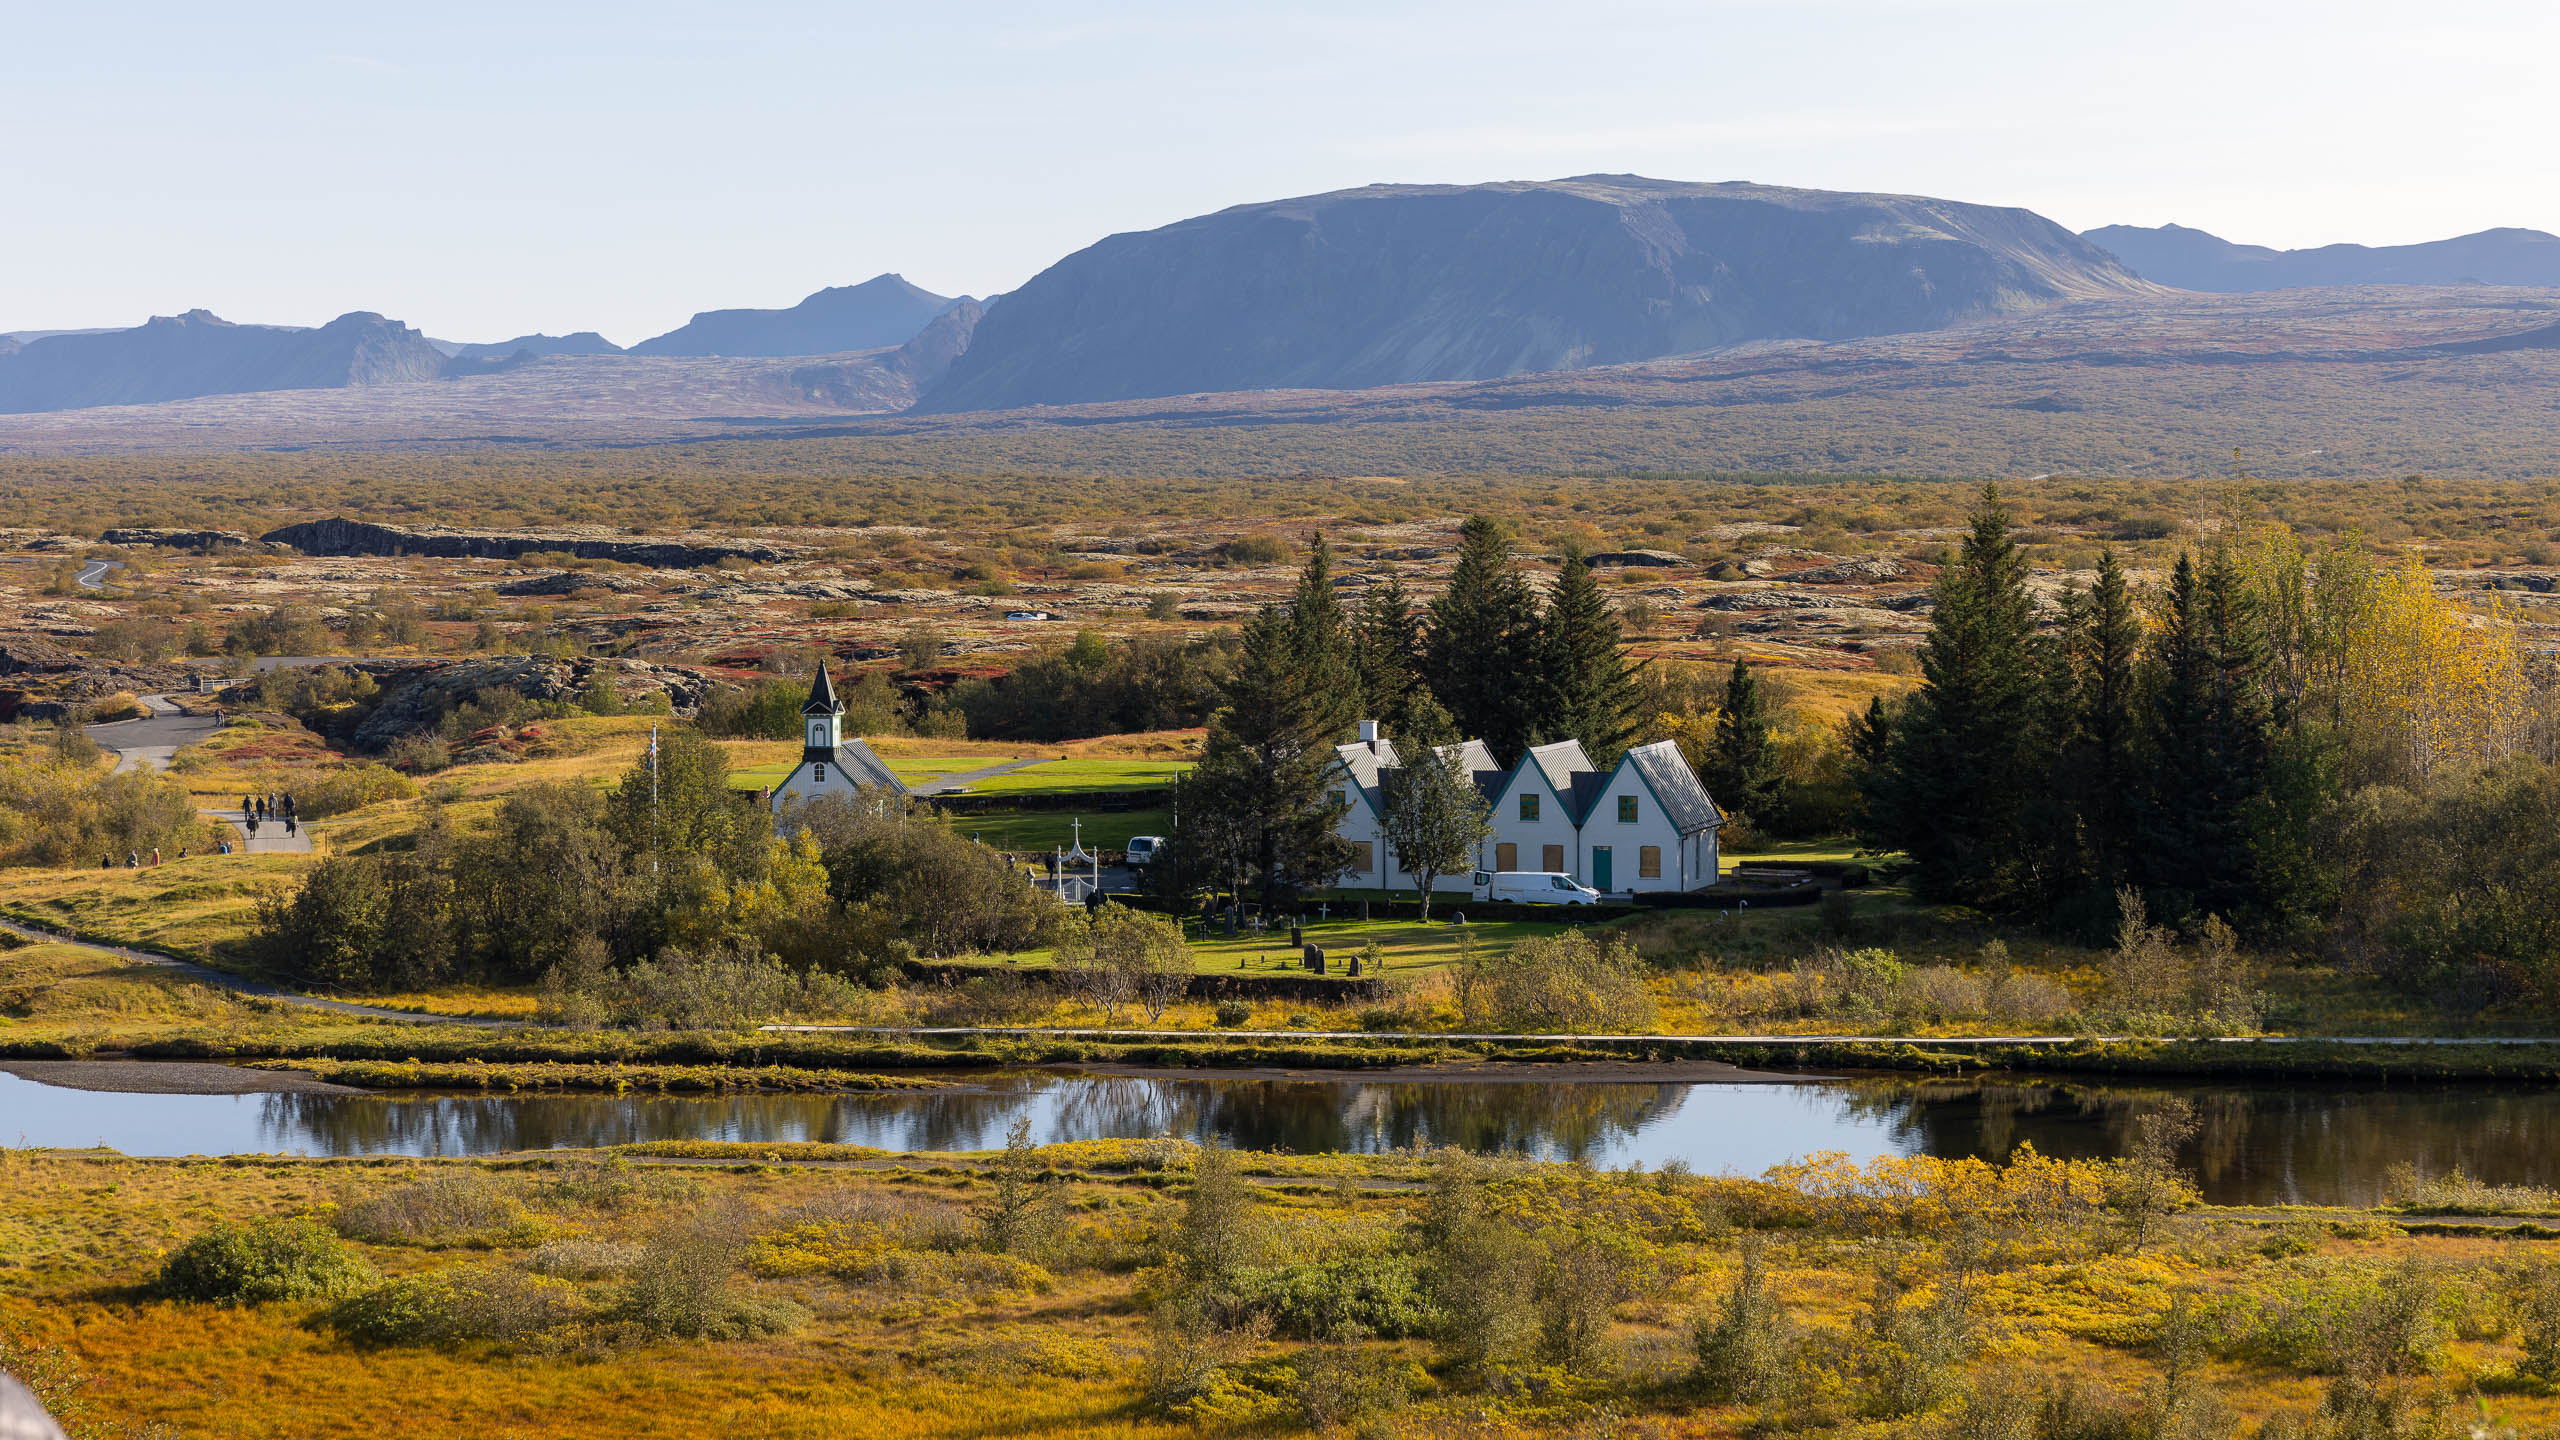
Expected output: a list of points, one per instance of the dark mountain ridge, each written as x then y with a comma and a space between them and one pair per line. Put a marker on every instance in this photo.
2192, 259
1394, 283
883, 310
174, 357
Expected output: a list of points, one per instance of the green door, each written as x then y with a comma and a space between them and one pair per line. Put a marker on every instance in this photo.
1600, 868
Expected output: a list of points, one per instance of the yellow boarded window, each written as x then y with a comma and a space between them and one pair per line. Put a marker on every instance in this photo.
1506, 856
1649, 861
1552, 857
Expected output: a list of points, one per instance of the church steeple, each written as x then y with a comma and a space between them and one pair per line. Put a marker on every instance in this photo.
822, 717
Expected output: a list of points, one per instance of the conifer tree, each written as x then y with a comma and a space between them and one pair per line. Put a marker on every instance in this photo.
2104, 775
2212, 737
1591, 688
1320, 644
1970, 754
1744, 777
1482, 647
1387, 650
1264, 768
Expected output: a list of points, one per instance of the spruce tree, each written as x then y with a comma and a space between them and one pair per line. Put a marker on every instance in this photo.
1320, 643
1265, 767
1483, 647
1970, 752
2212, 734
2104, 775
1387, 651
1591, 688
1744, 777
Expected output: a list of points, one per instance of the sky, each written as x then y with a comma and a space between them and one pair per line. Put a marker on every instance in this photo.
487, 170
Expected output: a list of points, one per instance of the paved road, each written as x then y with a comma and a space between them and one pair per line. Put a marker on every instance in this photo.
270, 839
95, 577
961, 781
223, 980
154, 740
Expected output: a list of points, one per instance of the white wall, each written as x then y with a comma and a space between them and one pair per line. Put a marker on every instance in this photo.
1554, 825
1625, 840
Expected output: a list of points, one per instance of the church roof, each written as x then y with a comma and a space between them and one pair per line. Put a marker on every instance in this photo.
822, 695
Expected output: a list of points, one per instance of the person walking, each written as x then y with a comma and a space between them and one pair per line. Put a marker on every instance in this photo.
155, 857
288, 805
133, 859
106, 861
288, 824
250, 824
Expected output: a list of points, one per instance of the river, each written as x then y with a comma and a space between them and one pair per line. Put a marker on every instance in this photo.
2297, 1144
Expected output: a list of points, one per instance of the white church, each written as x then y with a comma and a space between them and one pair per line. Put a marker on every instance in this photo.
830, 765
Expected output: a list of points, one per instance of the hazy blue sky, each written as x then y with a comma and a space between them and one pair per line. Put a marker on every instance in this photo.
486, 169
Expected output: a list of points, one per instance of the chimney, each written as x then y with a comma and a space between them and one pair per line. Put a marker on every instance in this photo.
1369, 733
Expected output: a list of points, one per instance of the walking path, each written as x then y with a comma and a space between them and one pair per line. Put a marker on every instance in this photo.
241, 985
1427, 1036
95, 577
962, 781
153, 741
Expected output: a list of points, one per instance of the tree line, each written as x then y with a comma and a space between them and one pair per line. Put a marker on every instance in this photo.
1487, 659
2310, 744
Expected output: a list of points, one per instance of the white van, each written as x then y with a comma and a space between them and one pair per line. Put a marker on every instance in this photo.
1533, 887
1141, 849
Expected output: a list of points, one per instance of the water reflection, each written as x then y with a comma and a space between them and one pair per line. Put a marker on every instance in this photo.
2254, 1145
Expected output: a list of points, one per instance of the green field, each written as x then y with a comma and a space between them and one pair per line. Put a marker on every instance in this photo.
1042, 830
1069, 777
1408, 946
915, 769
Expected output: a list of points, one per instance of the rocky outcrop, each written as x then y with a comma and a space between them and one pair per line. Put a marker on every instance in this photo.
359, 537
28, 655
568, 582
1395, 283
418, 698
1778, 600
1634, 557
172, 539
1874, 570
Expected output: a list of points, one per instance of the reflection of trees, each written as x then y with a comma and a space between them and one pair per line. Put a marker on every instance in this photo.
1564, 1121
2297, 1144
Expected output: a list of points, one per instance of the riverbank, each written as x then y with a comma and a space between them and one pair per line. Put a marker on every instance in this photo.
171, 1077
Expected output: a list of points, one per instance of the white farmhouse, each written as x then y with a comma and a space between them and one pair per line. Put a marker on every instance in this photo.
1645, 823
830, 765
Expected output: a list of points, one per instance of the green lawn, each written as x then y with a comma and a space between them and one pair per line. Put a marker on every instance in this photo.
1042, 829
913, 769
1068, 777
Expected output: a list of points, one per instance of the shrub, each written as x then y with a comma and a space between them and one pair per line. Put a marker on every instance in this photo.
1586, 1276
335, 792
584, 1258
1559, 982
1378, 1295
454, 1208
1232, 1014
683, 1287
450, 1307
1742, 1341
2537, 1306
243, 1264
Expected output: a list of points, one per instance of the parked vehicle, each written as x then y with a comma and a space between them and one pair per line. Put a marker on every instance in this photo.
1141, 849
1533, 887
1029, 615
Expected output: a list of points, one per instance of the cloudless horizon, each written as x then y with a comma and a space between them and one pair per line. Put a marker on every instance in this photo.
482, 170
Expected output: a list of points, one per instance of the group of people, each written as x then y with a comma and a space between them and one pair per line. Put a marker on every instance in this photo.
256, 810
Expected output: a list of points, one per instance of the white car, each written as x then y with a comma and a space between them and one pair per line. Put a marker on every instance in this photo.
1141, 849
1533, 887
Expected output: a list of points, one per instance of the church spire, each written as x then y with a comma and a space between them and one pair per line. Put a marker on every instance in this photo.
822, 717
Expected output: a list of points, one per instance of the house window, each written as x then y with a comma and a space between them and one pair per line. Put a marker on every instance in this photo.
1552, 858
1342, 797
1626, 809
821, 772
1649, 861
1506, 856
1528, 807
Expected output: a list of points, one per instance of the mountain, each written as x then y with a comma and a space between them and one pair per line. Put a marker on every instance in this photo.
585, 342
198, 353
883, 310
1395, 283
2191, 259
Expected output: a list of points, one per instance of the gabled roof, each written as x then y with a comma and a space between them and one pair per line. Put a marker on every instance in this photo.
1674, 784
864, 768
1475, 759
1368, 760
822, 695
1560, 762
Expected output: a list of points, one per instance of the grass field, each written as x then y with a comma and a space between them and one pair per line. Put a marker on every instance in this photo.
1040, 831
884, 1313
1409, 947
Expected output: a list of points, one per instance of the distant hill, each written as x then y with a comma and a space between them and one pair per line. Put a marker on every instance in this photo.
1395, 283
198, 353
2191, 259
881, 311
585, 342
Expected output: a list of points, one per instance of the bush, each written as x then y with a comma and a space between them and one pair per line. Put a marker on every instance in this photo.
1558, 982
244, 1264
584, 1258
1378, 1295
454, 1208
1742, 1342
683, 1287
450, 1307
335, 792
1232, 1014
